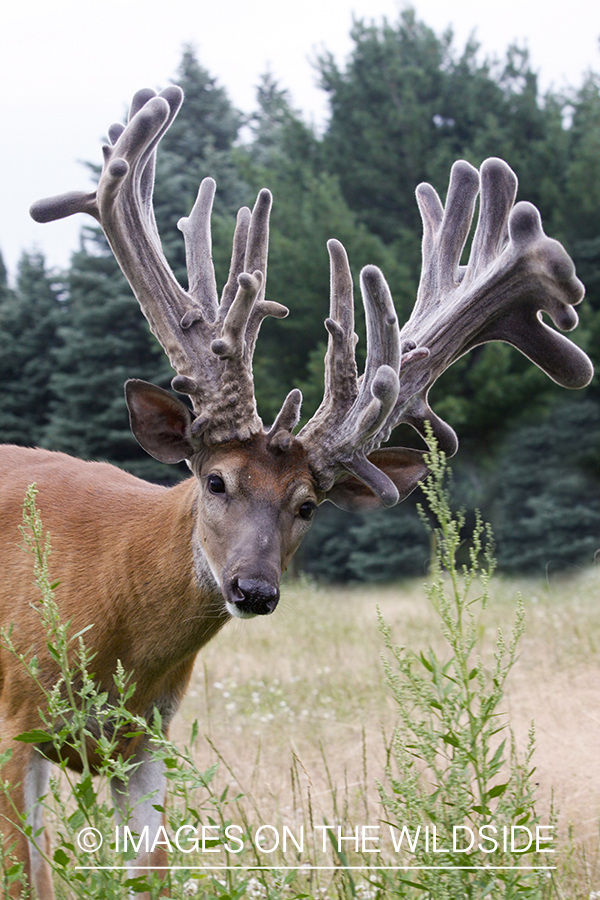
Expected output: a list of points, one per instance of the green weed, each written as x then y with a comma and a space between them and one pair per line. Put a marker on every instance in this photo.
460, 804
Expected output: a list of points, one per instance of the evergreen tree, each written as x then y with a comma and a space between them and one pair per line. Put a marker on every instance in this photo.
408, 104
29, 319
581, 196
379, 546
5, 291
547, 508
580, 200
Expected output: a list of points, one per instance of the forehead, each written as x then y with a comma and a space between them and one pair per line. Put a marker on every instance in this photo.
257, 466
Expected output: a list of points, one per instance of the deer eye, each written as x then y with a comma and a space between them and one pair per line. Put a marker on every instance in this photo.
216, 485
307, 510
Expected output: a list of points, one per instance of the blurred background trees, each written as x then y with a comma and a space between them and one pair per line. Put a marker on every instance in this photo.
406, 104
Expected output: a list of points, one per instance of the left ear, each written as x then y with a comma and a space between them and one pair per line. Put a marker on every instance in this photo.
406, 468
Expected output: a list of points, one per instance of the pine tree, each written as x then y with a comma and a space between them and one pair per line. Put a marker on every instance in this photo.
408, 104
546, 514
5, 291
29, 320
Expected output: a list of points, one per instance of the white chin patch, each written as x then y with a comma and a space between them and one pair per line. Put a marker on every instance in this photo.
238, 613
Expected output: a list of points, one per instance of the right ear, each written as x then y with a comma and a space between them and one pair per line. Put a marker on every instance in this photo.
405, 468
160, 422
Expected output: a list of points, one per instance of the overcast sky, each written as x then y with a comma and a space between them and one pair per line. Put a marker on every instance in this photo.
69, 68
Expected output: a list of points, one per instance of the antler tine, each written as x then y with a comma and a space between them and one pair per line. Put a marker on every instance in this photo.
258, 235
256, 259
514, 273
344, 427
383, 335
341, 374
202, 283
498, 194
174, 97
280, 433
445, 232
238, 256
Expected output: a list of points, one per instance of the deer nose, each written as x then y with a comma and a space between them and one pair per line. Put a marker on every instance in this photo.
256, 597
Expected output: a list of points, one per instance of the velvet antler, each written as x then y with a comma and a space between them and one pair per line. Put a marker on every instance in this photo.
514, 274
209, 344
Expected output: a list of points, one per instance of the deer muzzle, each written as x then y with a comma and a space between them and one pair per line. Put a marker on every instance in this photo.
252, 597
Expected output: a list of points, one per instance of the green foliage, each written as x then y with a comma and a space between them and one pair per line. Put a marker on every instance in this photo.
377, 546
546, 513
408, 104
4, 288
452, 763
582, 177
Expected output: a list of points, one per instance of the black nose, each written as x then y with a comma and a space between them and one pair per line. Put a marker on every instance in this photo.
259, 598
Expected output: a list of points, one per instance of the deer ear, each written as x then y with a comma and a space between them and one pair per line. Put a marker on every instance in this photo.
406, 468
160, 422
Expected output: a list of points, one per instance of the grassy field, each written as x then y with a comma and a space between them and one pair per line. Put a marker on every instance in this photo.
295, 706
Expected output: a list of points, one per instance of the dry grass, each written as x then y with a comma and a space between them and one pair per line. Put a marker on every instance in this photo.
296, 705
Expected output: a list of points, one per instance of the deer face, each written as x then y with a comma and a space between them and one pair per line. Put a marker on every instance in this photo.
255, 504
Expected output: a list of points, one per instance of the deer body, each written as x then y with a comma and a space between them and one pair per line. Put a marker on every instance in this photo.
157, 571
122, 550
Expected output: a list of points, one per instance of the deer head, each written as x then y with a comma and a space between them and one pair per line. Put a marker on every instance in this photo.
258, 487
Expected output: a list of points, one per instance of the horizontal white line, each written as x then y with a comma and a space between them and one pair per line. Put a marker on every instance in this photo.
302, 867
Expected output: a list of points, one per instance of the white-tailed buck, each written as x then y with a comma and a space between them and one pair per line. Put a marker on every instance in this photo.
158, 571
